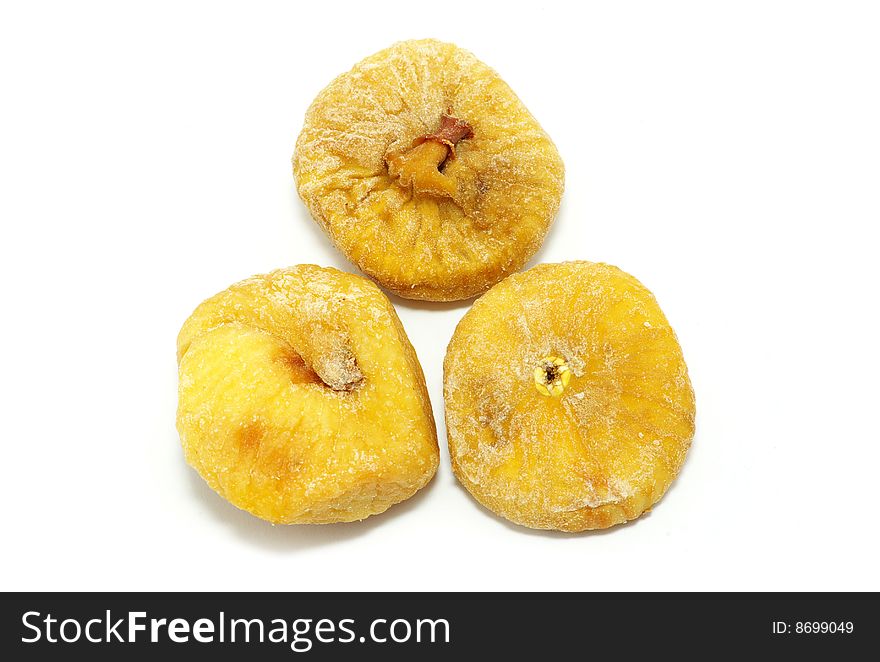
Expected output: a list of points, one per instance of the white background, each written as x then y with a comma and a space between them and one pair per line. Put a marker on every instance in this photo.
727, 154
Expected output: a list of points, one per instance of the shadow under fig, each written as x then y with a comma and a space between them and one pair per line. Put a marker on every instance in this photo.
544, 533
294, 537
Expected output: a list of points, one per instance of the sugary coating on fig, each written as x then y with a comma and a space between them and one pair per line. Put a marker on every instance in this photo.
428, 172
568, 402
301, 399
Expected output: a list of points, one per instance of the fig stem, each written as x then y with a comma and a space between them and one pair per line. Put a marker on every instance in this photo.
452, 131
419, 167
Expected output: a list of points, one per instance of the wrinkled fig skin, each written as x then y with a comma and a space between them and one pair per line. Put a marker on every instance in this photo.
568, 402
428, 172
301, 399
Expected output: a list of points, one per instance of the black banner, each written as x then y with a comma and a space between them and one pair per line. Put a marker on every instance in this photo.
318, 626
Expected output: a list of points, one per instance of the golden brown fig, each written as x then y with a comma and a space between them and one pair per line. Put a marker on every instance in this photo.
568, 403
428, 172
301, 399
